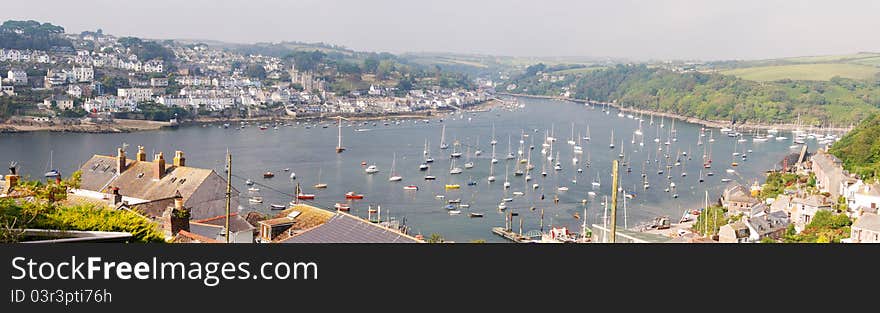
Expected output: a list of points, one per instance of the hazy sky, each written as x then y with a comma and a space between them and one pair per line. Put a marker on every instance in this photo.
630, 29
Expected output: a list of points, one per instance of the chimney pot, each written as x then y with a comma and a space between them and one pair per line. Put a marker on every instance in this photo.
179, 159
141, 155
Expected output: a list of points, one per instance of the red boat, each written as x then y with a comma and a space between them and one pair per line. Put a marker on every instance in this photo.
352, 195
268, 175
342, 207
305, 196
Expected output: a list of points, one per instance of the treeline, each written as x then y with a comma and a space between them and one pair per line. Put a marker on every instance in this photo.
860, 149
712, 96
33, 35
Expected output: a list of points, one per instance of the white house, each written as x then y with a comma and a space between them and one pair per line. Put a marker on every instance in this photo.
137, 94
866, 229
83, 74
17, 77
861, 195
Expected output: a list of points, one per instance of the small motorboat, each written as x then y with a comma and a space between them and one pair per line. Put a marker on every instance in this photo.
268, 175
453, 186
320, 186
423, 167
342, 207
475, 214
253, 189
372, 169
354, 196
453, 201
411, 187
430, 177
277, 207
454, 212
249, 182
305, 196
256, 199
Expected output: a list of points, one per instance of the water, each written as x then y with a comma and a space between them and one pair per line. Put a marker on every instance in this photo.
308, 151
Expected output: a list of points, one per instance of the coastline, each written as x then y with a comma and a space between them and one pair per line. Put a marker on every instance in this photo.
689, 119
129, 125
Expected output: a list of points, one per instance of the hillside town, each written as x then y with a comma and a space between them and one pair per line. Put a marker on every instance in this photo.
102, 77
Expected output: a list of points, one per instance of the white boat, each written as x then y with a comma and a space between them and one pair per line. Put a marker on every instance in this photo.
563, 188
255, 199
393, 175
372, 169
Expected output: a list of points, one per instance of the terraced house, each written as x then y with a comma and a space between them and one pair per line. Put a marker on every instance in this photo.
151, 187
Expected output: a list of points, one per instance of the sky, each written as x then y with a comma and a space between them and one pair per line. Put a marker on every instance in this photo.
639, 30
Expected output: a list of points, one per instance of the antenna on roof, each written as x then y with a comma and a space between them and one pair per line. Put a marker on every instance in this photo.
12, 166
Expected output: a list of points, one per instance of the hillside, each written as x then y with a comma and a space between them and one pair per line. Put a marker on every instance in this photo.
711, 96
854, 66
860, 149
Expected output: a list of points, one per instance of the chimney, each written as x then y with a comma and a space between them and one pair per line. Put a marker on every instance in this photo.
141, 155
176, 218
179, 159
11, 179
120, 160
117, 198
159, 165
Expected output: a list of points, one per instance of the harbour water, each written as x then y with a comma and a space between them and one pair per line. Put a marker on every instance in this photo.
310, 154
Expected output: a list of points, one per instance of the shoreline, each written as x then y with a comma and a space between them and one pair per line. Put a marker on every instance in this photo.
129, 125
707, 123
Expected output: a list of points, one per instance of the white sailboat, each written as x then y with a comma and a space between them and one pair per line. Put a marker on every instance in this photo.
611, 145
393, 176
339, 147
443, 144
510, 155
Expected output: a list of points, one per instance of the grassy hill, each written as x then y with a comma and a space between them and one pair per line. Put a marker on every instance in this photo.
814, 71
862, 66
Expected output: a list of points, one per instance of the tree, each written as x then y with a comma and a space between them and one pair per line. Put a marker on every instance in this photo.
371, 64
385, 68
255, 70
435, 238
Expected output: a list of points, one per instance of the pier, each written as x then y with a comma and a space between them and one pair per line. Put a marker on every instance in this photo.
511, 235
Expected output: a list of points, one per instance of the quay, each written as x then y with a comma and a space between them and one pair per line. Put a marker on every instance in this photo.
511, 235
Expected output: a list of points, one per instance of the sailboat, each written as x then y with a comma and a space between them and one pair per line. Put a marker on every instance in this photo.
393, 174
506, 172
478, 152
493, 142
510, 155
596, 182
443, 144
611, 145
491, 177
468, 164
320, 185
587, 137
453, 169
427, 152
455, 153
571, 139
50, 171
339, 147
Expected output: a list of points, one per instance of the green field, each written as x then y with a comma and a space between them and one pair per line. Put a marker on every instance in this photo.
583, 70
817, 71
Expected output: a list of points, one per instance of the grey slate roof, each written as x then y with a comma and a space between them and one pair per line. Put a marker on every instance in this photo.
868, 222
344, 228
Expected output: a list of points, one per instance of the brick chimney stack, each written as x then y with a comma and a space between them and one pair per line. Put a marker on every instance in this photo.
141, 155
159, 165
117, 198
176, 218
179, 159
120, 160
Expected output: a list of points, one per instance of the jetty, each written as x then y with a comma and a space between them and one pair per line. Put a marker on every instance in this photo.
511, 235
